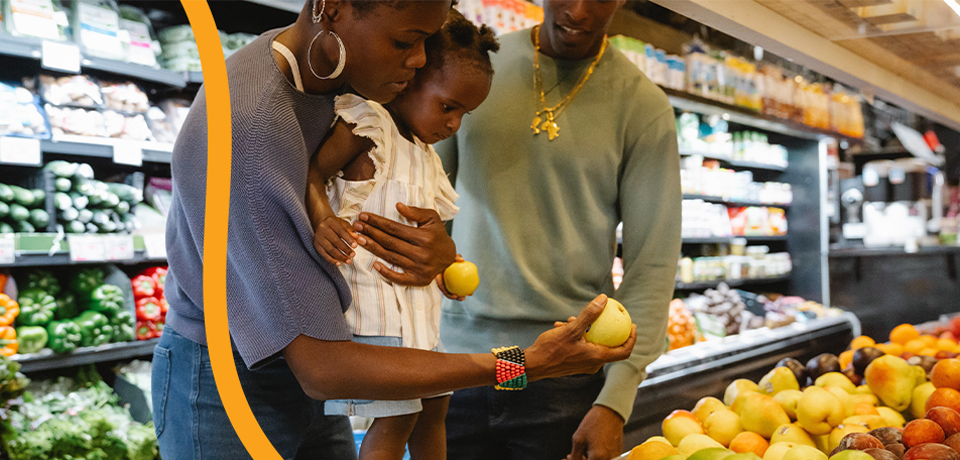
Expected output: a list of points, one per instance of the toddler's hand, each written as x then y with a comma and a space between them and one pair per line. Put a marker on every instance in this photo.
443, 286
335, 240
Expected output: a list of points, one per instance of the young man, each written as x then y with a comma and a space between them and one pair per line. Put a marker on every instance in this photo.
572, 140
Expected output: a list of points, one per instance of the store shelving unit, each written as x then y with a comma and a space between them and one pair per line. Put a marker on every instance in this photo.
722, 200
736, 164
47, 360
728, 239
697, 286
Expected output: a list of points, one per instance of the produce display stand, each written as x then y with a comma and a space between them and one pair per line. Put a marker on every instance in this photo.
47, 360
681, 377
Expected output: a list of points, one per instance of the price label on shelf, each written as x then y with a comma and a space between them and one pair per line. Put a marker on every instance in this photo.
156, 244
60, 56
87, 248
8, 249
20, 151
128, 153
118, 247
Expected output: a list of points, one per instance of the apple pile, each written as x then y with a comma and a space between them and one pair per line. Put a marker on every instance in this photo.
849, 407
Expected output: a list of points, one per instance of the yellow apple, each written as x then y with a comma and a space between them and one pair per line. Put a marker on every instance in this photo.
844, 398
461, 278
678, 425
788, 400
612, 328
777, 380
695, 442
794, 433
652, 450
723, 426
736, 388
836, 379
778, 450
819, 411
762, 415
920, 395
707, 406
801, 452
892, 417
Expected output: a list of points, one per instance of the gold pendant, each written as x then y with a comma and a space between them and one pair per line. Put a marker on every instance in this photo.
536, 124
550, 126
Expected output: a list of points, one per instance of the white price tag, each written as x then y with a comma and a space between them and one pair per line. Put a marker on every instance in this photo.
118, 247
21, 151
60, 56
128, 153
8, 249
156, 245
87, 248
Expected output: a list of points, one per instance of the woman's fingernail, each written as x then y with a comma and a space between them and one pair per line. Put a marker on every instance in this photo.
363, 241
363, 217
353, 245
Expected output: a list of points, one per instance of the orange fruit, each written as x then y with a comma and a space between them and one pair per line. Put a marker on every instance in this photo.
865, 409
894, 349
946, 374
946, 397
903, 334
861, 342
845, 359
749, 441
930, 340
914, 346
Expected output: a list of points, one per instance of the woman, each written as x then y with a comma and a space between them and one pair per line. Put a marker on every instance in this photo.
285, 303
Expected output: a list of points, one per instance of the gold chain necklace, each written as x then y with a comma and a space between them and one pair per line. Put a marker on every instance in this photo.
545, 119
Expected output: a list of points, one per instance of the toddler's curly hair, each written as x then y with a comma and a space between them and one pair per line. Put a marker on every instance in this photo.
461, 40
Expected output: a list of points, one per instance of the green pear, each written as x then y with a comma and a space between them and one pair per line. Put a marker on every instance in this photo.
713, 453
743, 456
892, 380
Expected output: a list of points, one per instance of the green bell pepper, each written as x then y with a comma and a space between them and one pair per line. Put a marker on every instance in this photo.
106, 299
64, 336
43, 280
92, 326
85, 281
123, 324
31, 339
37, 307
67, 307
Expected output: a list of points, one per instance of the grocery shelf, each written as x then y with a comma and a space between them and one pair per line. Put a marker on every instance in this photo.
289, 6
34, 250
736, 164
83, 146
46, 359
728, 239
722, 200
840, 252
683, 100
30, 48
681, 377
732, 283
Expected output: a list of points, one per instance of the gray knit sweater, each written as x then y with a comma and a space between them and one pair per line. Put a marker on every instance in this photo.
278, 287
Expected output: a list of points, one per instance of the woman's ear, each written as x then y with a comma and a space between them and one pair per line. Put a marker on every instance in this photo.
335, 10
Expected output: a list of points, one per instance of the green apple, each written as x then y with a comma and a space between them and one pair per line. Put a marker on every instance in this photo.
713, 453
612, 328
461, 278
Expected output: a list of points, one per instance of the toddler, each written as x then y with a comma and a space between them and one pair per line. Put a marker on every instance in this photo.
375, 157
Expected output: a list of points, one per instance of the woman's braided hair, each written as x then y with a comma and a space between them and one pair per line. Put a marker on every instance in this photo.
459, 39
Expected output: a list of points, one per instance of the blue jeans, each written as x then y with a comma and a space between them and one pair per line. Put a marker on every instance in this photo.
191, 422
534, 424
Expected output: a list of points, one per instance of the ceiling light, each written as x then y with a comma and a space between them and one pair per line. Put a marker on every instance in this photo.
954, 5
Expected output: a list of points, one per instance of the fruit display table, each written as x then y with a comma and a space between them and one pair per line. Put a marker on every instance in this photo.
683, 376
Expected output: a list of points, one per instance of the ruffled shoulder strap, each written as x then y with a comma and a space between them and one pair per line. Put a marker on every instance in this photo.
445, 196
370, 120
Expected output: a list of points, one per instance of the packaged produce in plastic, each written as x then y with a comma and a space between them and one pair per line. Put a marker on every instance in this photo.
97, 28
179, 33
121, 126
76, 121
161, 126
20, 113
136, 34
176, 111
45, 19
74, 90
126, 97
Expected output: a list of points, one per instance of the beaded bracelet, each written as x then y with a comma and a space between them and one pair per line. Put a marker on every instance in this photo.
511, 370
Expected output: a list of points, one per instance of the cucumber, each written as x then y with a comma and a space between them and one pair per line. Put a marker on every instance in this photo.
127, 193
74, 227
24, 227
92, 228
80, 201
22, 196
62, 168
84, 187
100, 218
6, 193
19, 213
62, 201
122, 208
132, 222
84, 170
108, 227
39, 218
96, 198
62, 184
111, 199
69, 214
39, 196
4, 209
85, 216
5, 228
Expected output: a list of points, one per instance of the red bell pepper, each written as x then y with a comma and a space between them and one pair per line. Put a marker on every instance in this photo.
159, 275
146, 330
160, 325
148, 309
164, 307
144, 286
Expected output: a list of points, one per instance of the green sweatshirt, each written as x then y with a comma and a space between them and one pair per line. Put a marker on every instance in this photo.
539, 217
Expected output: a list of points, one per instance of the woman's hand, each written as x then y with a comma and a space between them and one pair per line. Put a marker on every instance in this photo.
421, 252
563, 351
335, 240
443, 286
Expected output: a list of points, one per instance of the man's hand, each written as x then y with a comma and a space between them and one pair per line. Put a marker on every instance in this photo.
599, 437
563, 351
443, 286
421, 252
